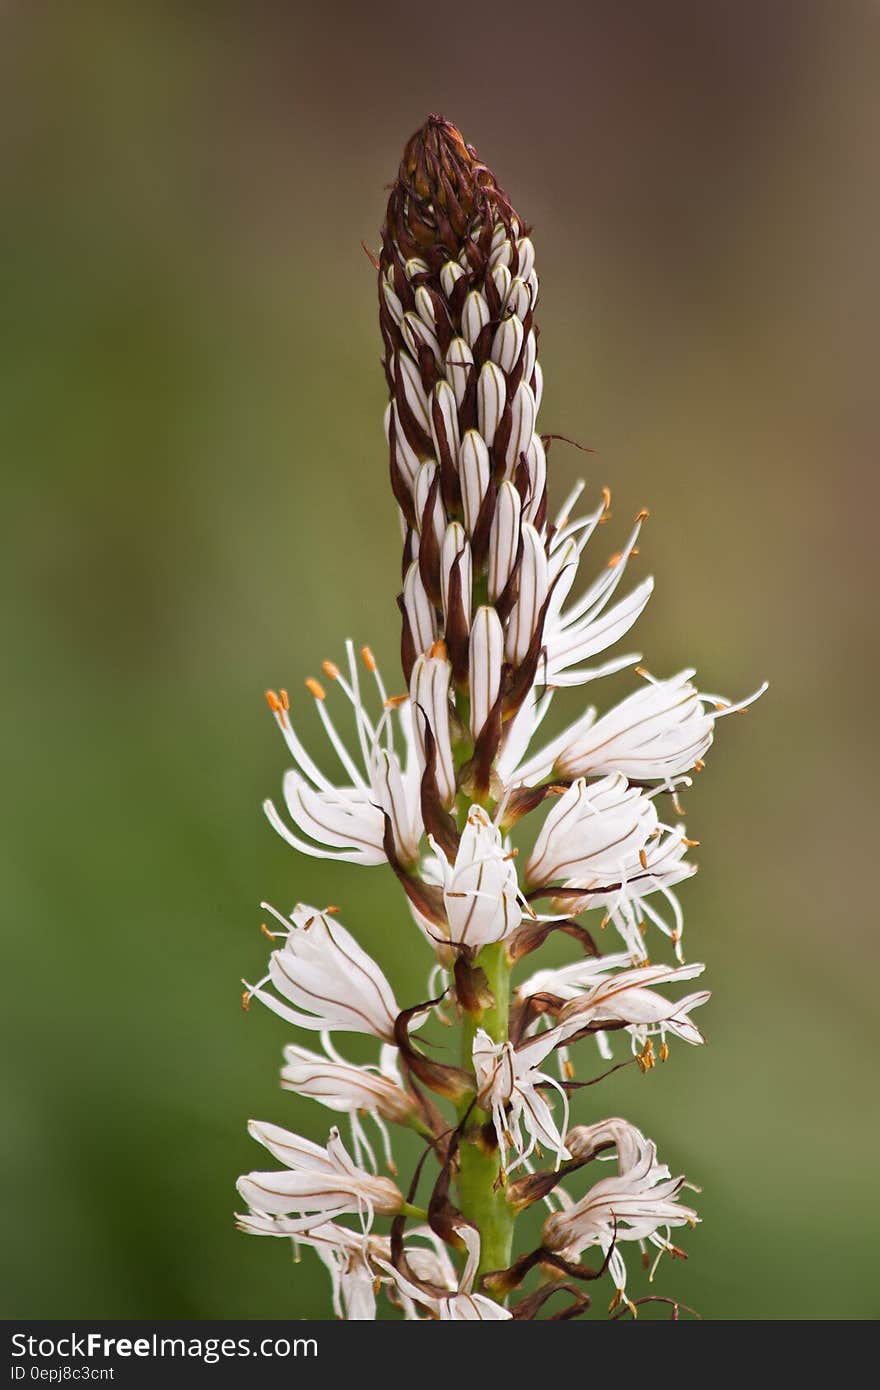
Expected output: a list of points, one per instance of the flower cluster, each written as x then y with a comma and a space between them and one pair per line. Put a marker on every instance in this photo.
439, 781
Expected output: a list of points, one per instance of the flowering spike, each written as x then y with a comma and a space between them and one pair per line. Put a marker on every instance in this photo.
493, 625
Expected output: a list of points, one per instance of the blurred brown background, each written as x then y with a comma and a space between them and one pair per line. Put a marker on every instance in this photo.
195, 507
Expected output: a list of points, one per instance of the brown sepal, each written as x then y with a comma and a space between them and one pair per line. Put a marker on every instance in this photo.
407, 642
478, 771
530, 935
523, 1012
471, 986
429, 546
498, 450
508, 596
528, 1307
426, 897
523, 800
483, 528
457, 626
449, 481
438, 822
453, 1083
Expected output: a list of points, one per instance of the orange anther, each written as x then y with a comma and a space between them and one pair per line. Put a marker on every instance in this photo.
691, 844
315, 688
439, 650
331, 911
331, 670
699, 765
395, 701
643, 514
368, 659
568, 1070
273, 702
664, 1051
285, 701
266, 932
643, 859
246, 1000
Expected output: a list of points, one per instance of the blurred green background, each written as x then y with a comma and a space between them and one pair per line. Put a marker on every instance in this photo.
195, 507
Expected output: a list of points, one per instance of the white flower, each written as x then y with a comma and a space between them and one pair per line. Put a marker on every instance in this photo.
462, 1305
350, 1089
346, 1087
348, 822
622, 888
594, 834
480, 889
570, 981
637, 1204
655, 734
323, 971
317, 1182
627, 999
357, 1260
508, 1078
588, 626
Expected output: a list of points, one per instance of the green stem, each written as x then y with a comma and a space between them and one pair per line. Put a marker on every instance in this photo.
417, 1213
480, 1189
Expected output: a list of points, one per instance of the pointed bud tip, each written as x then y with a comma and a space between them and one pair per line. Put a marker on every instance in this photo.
443, 194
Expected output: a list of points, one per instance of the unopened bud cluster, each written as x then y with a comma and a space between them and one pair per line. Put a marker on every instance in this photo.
436, 778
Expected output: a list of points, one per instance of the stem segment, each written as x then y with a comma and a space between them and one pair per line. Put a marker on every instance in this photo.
480, 1181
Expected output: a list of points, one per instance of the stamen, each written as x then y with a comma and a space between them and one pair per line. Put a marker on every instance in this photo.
315, 688
274, 702
285, 700
331, 670
646, 1059
664, 1051
368, 659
